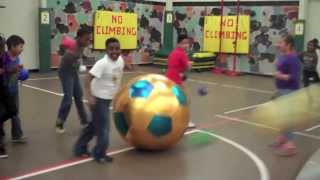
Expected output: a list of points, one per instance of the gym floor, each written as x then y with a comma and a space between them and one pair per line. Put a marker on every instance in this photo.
227, 144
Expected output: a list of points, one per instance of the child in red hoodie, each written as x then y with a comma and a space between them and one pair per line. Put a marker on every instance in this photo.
179, 63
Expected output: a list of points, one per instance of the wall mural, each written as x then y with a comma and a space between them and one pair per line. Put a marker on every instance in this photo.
268, 23
70, 15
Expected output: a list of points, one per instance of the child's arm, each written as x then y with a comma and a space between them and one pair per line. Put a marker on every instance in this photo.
300, 56
281, 76
186, 63
95, 72
293, 73
14, 70
88, 94
69, 58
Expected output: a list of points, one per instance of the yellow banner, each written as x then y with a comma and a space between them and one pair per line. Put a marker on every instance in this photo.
122, 26
229, 35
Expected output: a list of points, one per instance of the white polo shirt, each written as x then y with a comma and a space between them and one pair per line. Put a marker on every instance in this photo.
107, 77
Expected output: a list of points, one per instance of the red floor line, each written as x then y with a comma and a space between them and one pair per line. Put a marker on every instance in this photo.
5, 178
53, 165
65, 162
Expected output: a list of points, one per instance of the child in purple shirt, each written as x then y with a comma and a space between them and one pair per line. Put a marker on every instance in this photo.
12, 68
287, 79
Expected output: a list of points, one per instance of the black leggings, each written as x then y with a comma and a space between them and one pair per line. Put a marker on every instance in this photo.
307, 74
8, 108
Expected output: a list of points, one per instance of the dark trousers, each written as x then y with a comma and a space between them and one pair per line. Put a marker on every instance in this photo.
10, 110
99, 127
307, 75
71, 89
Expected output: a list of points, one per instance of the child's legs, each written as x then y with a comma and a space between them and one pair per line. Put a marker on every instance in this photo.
306, 78
101, 121
2, 145
8, 109
16, 130
286, 133
315, 76
77, 94
3, 114
67, 87
2, 133
86, 135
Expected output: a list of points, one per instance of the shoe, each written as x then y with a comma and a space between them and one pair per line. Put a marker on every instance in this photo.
105, 159
3, 153
84, 125
84, 154
59, 127
19, 140
191, 125
279, 141
286, 150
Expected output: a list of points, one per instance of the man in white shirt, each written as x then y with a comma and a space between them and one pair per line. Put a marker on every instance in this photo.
102, 83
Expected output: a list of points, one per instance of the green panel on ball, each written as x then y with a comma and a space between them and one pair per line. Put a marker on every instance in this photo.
160, 125
181, 96
121, 123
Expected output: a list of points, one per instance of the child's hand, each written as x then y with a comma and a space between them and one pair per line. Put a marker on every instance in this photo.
277, 74
281, 76
183, 76
91, 100
14, 70
1, 71
20, 67
190, 65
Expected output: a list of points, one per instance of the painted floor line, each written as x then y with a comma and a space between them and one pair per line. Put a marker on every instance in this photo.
313, 128
230, 86
203, 82
63, 166
243, 109
248, 89
263, 170
43, 78
42, 90
51, 92
307, 135
247, 122
57, 77
265, 126
75, 162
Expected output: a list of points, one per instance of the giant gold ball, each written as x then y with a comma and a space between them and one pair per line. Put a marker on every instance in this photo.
151, 112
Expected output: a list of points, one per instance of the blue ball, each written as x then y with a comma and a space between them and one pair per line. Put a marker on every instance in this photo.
23, 75
202, 91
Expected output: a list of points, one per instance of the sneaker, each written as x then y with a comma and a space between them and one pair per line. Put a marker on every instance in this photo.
59, 128
83, 154
19, 140
3, 153
286, 150
279, 141
84, 125
191, 125
105, 159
